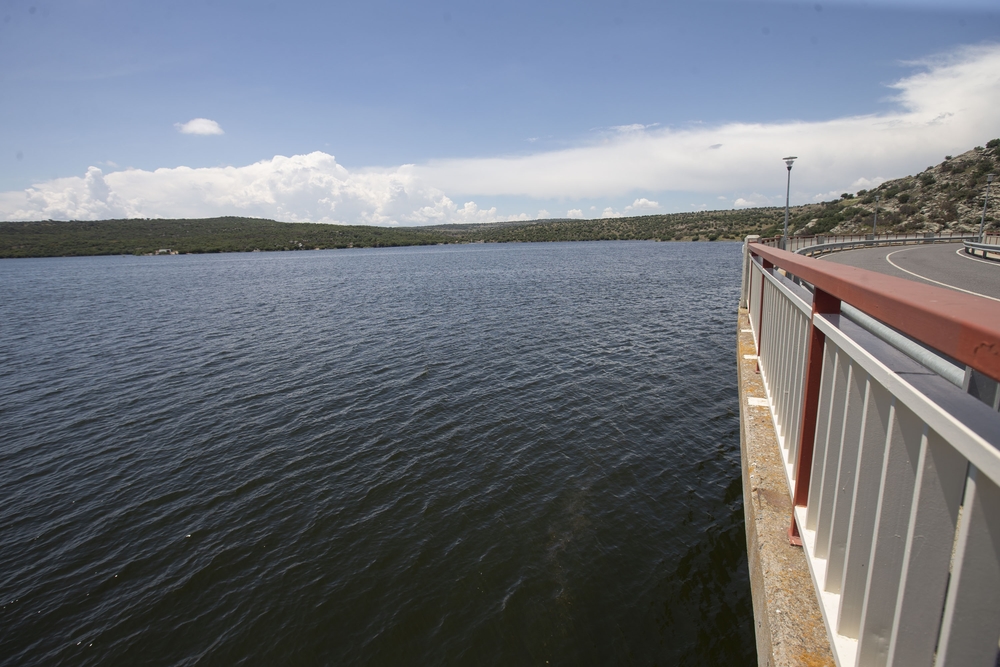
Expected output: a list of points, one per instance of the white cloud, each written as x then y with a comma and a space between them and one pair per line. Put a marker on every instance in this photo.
309, 187
509, 218
542, 214
642, 204
827, 196
755, 200
89, 197
199, 126
946, 108
611, 213
866, 183
634, 127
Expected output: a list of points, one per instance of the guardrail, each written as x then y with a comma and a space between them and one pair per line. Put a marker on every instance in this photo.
894, 471
821, 243
821, 248
984, 248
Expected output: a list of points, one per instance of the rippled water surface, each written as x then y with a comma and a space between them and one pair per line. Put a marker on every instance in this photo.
488, 454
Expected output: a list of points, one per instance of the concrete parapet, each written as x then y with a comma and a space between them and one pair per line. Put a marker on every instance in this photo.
787, 619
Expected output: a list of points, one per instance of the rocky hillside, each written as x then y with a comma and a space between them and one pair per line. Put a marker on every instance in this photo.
948, 197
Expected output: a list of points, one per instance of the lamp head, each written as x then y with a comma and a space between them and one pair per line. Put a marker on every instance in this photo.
989, 178
876, 197
789, 160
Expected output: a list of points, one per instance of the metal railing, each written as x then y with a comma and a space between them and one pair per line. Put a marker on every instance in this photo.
987, 246
820, 243
894, 471
822, 248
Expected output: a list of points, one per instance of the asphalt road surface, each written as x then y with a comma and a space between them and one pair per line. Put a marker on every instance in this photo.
942, 264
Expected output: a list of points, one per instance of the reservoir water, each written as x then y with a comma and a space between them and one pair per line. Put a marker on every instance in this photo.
518, 454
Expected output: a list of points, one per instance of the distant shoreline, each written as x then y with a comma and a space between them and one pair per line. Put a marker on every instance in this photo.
231, 234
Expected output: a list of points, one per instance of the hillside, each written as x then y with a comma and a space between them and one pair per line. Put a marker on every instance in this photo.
231, 234
206, 235
704, 225
948, 196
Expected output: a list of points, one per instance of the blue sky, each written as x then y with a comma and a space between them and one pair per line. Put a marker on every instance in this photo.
424, 112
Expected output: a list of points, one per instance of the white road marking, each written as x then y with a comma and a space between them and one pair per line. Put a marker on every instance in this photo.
751, 357
931, 280
964, 255
758, 402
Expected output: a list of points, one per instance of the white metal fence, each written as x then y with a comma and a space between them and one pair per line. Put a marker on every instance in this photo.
902, 523
802, 244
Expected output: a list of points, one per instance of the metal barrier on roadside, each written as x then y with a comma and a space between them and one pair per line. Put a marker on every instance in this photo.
823, 243
821, 248
894, 471
984, 248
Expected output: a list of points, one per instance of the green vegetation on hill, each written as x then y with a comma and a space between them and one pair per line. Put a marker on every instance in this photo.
707, 225
946, 197
140, 237
117, 237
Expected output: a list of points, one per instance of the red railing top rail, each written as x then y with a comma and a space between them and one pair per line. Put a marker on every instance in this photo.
963, 326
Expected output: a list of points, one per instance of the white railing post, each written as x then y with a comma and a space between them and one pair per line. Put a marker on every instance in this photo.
745, 284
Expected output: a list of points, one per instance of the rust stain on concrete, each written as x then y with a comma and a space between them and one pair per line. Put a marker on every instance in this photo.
775, 499
787, 619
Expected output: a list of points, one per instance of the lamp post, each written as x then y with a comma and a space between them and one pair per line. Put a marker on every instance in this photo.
875, 219
982, 223
788, 189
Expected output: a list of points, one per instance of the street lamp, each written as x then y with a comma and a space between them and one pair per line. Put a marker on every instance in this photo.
875, 220
788, 189
982, 223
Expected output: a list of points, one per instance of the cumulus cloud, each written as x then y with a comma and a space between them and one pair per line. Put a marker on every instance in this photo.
948, 106
309, 187
642, 204
755, 200
827, 196
199, 126
86, 198
866, 183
